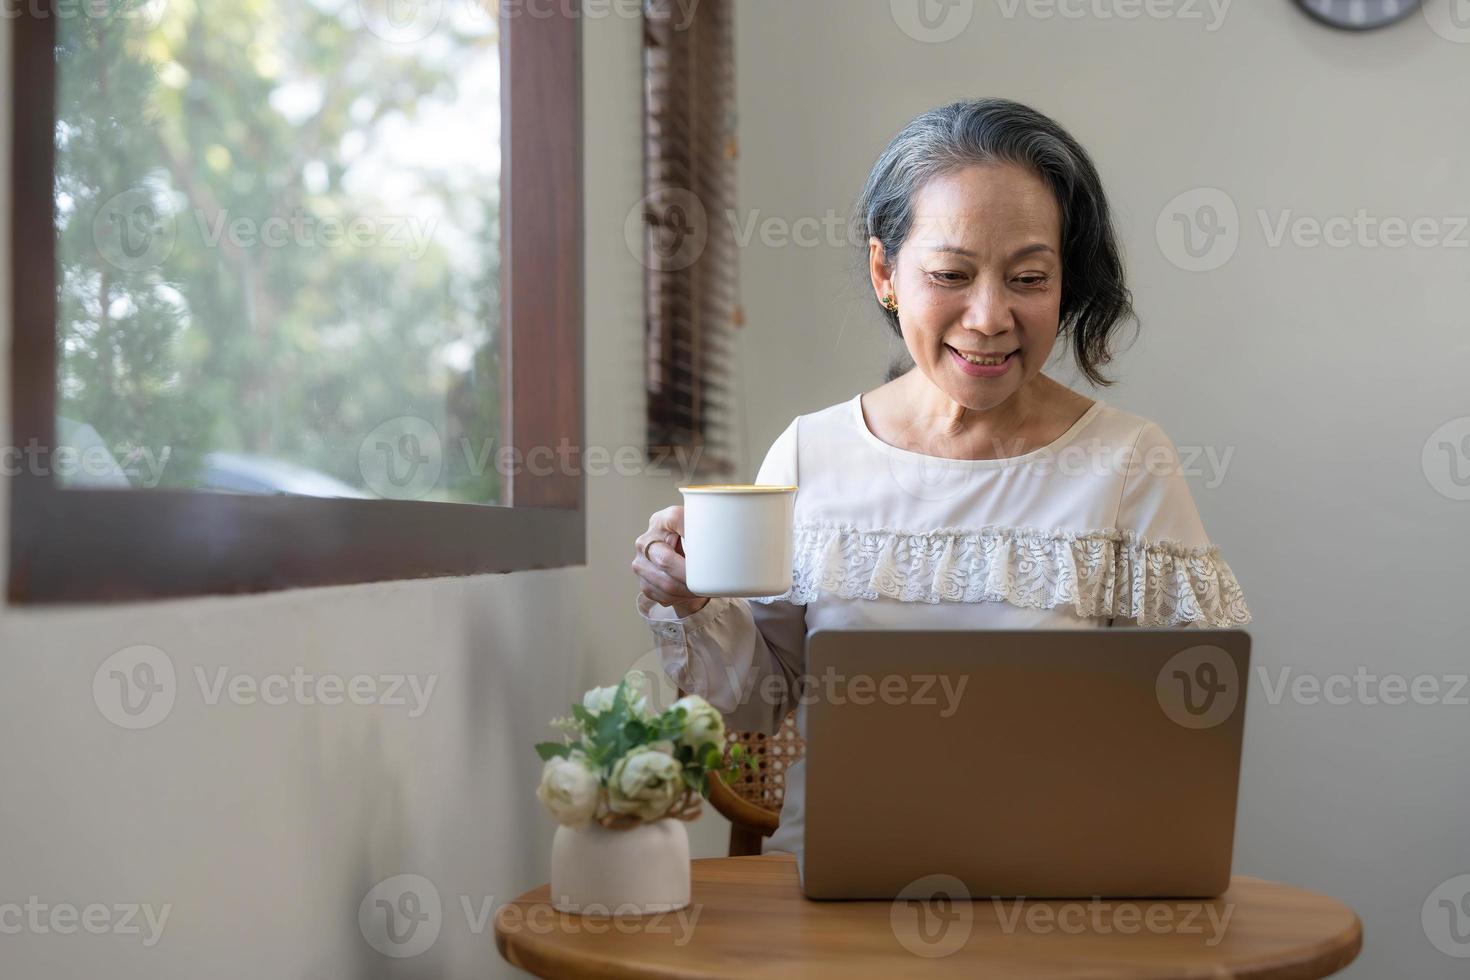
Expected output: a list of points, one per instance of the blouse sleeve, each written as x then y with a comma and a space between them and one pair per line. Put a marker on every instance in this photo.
1167, 572
742, 657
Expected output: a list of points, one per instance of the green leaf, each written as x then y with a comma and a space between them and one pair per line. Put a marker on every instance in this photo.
553, 750
601, 755
638, 732
610, 723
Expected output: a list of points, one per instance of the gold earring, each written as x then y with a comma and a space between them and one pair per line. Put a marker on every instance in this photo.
890, 303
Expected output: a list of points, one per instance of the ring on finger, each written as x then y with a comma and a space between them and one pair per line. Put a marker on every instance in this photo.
650, 544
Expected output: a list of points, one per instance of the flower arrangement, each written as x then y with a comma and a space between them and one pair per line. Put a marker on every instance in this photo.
621, 765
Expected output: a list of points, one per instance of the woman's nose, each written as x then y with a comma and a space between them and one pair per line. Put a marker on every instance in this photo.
989, 312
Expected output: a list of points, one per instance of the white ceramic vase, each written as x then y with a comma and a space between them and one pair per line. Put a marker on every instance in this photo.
597, 871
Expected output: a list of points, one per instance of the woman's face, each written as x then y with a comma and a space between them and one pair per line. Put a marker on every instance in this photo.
980, 273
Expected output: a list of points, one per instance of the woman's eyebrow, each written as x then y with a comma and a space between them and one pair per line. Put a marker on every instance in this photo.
1033, 249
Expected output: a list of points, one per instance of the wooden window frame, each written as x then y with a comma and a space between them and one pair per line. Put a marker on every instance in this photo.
71, 545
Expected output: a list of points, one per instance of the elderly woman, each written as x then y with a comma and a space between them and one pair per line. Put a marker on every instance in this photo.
970, 491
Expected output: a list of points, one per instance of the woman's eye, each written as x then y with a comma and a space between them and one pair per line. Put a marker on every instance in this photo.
1033, 279
948, 278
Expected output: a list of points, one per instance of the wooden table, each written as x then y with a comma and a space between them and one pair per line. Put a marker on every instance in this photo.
748, 918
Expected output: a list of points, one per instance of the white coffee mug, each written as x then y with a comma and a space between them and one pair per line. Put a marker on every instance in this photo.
738, 538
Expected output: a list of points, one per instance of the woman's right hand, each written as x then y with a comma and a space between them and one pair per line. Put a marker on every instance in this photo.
659, 563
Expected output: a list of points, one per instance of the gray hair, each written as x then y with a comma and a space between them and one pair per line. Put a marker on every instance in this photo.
1095, 296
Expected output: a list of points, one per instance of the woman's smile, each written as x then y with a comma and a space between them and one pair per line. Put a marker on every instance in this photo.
982, 367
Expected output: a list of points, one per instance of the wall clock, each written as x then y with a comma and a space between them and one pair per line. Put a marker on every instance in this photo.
1359, 15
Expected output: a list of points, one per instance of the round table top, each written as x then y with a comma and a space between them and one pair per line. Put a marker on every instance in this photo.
748, 918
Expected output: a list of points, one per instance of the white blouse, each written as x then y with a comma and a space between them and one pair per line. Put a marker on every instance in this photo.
1097, 528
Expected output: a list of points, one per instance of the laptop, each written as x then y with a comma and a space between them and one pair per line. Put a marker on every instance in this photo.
1035, 763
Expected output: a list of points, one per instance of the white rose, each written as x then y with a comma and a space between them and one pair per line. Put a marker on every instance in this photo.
702, 723
569, 789
644, 783
637, 682
600, 699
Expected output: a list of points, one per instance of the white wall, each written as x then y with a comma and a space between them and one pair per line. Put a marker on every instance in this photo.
1347, 554
264, 827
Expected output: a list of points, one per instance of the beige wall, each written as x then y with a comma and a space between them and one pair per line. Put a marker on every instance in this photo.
264, 826
1348, 556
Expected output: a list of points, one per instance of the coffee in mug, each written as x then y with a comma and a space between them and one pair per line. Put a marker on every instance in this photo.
738, 538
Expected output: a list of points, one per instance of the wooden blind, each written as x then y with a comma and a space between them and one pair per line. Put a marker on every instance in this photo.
689, 243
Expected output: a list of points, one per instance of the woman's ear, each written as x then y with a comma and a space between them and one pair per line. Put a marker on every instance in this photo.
879, 269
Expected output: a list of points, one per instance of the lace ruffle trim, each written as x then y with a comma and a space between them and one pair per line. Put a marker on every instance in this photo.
1104, 572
